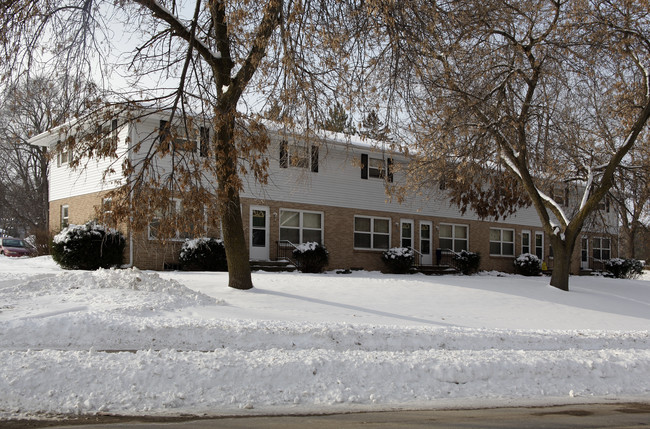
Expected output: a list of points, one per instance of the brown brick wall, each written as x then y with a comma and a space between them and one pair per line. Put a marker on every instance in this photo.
338, 234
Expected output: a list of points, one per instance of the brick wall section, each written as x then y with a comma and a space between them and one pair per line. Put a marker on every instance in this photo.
338, 231
339, 236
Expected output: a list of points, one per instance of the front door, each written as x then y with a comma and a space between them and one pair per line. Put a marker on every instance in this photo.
259, 233
584, 254
425, 243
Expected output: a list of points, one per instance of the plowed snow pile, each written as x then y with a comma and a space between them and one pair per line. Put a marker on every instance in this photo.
132, 342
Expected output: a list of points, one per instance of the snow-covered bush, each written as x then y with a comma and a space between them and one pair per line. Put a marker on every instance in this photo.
528, 264
399, 259
88, 247
311, 257
467, 262
624, 268
203, 254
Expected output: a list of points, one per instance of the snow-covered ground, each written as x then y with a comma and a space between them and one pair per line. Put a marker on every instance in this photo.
133, 342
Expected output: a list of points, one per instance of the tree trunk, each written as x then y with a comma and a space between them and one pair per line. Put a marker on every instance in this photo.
563, 251
239, 269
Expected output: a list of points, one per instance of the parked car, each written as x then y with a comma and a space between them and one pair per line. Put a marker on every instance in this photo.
15, 247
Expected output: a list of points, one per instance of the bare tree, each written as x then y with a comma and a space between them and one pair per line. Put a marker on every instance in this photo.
631, 197
198, 61
30, 107
551, 92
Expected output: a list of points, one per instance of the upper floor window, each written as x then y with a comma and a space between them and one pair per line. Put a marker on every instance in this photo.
107, 135
183, 140
561, 195
603, 205
64, 157
299, 156
376, 168
454, 237
502, 242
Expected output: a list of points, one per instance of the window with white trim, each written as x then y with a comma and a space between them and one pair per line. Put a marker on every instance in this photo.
181, 140
107, 212
175, 210
601, 249
371, 233
63, 158
561, 195
454, 237
299, 156
604, 204
406, 233
298, 226
525, 241
502, 242
539, 245
376, 168
107, 135
65, 216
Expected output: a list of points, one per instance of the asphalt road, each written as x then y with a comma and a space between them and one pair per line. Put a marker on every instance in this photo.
627, 415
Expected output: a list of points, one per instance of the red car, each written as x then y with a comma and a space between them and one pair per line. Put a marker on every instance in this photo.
15, 247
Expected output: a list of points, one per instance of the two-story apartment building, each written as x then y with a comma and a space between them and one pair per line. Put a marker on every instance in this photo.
330, 190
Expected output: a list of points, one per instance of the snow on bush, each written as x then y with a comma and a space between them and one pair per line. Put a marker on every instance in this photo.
88, 247
467, 262
528, 264
624, 268
399, 259
311, 257
203, 254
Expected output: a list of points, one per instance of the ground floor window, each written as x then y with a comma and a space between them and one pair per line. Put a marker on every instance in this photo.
454, 237
65, 216
525, 241
601, 248
502, 242
406, 233
539, 245
299, 226
180, 221
371, 232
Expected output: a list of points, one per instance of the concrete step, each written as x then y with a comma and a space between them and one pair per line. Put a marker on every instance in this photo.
272, 266
437, 270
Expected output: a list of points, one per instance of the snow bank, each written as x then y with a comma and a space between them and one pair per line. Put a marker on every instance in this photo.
132, 342
229, 379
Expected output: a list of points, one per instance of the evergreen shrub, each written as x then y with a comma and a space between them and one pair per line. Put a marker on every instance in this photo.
203, 254
311, 257
624, 268
88, 247
399, 259
528, 264
467, 262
